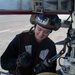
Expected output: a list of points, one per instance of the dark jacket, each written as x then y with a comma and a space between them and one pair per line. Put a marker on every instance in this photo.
39, 52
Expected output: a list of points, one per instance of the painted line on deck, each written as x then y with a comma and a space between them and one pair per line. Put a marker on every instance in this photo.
14, 28
4, 30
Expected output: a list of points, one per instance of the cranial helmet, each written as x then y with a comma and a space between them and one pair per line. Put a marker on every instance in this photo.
51, 22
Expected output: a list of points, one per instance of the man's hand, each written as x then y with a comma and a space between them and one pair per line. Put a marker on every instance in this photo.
24, 60
39, 68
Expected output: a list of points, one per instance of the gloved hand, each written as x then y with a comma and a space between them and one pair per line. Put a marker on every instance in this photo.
24, 60
39, 68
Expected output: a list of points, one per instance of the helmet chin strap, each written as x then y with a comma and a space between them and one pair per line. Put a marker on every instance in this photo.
31, 30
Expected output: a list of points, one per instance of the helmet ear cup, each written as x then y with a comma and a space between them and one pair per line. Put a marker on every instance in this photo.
56, 21
57, 25
32, 19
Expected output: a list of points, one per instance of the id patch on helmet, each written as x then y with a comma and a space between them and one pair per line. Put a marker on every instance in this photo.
42, 21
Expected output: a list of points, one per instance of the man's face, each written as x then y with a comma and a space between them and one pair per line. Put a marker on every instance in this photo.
41, 33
